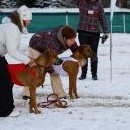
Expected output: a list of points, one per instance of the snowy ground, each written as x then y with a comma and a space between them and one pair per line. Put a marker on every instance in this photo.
103, 104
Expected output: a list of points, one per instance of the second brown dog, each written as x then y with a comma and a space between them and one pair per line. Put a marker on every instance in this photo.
71, 67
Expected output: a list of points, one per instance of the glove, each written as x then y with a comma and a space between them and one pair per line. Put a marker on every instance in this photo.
104, 38
58, 61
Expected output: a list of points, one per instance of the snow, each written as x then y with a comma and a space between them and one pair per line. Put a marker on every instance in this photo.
62, 10
102, 105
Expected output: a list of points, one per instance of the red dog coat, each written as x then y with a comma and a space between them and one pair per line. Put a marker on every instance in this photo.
14, 69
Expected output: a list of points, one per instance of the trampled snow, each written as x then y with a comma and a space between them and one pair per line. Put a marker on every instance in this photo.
102, 105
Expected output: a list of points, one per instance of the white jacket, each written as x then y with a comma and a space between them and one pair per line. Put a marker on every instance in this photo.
10, 38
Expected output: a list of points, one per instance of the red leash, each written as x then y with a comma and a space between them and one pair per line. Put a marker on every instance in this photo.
53, 99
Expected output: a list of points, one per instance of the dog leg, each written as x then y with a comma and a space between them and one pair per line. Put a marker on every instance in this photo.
30, 101
75, 87
72, 86
33, 104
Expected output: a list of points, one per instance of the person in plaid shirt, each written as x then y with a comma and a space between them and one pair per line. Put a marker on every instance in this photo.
59, 39
91, 16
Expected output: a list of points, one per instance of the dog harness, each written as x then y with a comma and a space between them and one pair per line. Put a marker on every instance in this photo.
59, 69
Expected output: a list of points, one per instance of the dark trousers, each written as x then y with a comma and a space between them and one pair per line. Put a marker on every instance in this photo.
91, 39
6, 96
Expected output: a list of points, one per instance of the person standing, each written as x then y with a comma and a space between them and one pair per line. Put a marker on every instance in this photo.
91, 16
10, 36
59, 39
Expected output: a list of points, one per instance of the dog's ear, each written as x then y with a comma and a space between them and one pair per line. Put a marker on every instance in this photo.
47, 51
52, 56
82, 48
52, 53
85, 47
40, 60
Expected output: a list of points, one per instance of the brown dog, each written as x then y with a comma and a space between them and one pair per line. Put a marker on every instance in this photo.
72, 67
34, 77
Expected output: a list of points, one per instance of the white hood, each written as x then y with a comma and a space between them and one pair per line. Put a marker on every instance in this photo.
24, 13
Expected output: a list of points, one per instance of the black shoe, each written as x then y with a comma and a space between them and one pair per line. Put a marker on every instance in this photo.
26, 97
82, 77
94, 77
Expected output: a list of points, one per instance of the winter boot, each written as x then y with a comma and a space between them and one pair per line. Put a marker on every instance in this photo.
94, 69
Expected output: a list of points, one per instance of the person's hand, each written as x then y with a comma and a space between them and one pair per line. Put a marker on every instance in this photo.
31, 58
32, 63
104, 38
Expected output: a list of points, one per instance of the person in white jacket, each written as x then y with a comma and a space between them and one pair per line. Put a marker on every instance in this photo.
10, 37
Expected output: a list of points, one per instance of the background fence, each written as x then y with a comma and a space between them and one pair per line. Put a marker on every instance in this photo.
41, 21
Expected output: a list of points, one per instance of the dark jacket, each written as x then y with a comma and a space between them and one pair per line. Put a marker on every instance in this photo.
91, 16
51, 39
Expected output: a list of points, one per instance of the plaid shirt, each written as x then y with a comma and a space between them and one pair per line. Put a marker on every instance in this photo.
91, 16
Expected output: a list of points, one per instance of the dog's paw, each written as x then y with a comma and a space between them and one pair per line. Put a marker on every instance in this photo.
38, 112
35, 111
